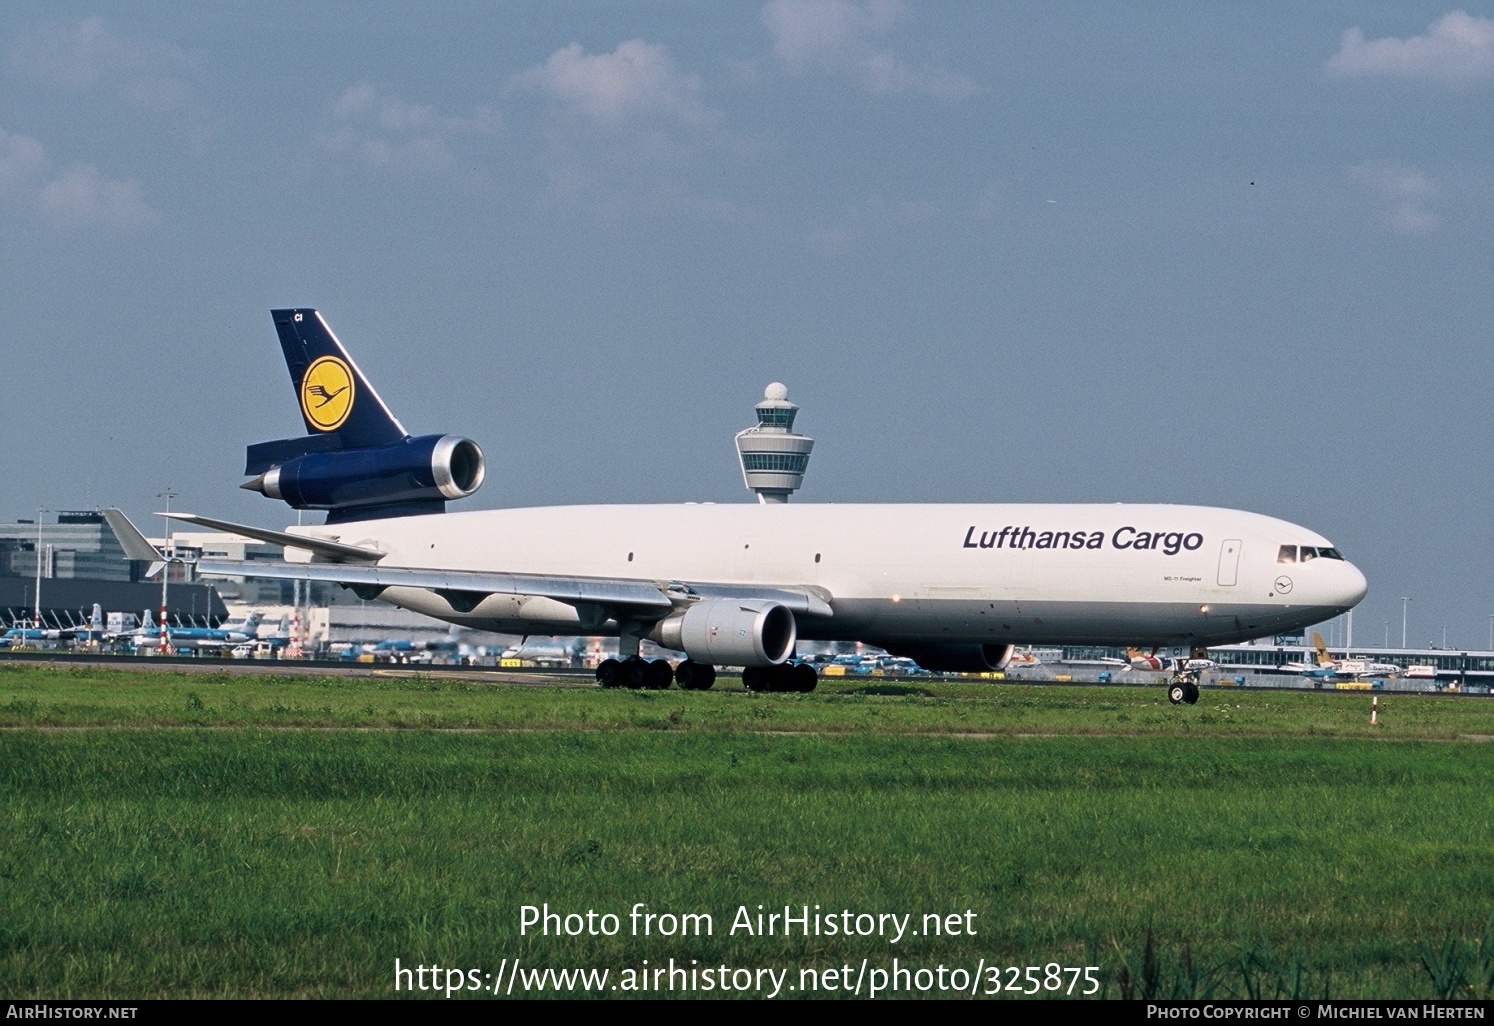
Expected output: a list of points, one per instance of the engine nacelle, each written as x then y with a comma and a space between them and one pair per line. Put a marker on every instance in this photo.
414, 475
731, 632
943, 657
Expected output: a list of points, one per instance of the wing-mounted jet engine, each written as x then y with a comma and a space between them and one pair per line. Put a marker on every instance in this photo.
356, 461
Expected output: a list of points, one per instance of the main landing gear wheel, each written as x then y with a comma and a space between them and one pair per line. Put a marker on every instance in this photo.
607, 672
693, 676
660, 675
799, 677
633, 673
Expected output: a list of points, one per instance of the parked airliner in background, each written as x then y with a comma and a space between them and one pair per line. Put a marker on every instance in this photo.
30, 633
955, 587
1329, 668
1151, 662
227, 636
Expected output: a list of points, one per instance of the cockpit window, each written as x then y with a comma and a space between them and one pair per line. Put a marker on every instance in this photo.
1308, 552
1330, 554
1287, 554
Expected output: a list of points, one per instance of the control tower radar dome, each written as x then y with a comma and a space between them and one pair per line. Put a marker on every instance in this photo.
773, 457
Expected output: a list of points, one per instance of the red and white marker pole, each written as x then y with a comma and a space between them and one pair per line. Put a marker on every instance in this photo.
1374, 711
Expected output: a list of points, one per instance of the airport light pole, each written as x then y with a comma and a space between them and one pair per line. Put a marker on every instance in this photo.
36, 611
1404, 601
166, 552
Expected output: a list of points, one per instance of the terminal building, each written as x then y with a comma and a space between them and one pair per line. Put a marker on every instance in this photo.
78, 545
1287, 654
61, 569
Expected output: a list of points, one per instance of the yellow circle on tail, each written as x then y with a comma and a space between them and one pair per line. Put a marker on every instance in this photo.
327, 393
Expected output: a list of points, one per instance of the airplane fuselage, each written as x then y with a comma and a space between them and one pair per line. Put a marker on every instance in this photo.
1024, 574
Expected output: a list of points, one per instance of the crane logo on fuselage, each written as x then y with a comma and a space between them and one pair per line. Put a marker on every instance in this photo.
1169, 543
327, 393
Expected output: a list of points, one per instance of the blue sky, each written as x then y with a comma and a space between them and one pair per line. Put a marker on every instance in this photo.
1225, 254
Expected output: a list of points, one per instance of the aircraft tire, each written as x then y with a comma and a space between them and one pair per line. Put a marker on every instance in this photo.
633, 673
607, 672
804, 678
1176, 693
693, 676
660, 674
781, 678
755, 678
1190, 694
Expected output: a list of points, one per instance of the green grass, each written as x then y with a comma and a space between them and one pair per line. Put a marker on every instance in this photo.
409, 700
1284, 850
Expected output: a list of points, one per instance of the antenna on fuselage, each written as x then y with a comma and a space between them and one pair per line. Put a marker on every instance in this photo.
773, 457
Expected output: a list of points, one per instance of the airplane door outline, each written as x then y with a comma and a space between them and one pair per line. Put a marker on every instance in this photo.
1229, 562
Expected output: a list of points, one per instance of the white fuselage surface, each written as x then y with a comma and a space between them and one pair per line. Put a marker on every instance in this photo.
1000, 574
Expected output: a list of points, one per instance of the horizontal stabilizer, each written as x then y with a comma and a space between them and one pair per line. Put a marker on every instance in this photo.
337, 552
261, 456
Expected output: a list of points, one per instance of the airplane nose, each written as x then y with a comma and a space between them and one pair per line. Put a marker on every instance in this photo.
1352, 588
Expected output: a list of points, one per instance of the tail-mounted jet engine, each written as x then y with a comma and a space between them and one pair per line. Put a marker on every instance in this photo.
356, 460
731, 632
413, 475
954, 658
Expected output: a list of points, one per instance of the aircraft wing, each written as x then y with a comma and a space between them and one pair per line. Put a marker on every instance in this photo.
337, 552
465, 586
133, 542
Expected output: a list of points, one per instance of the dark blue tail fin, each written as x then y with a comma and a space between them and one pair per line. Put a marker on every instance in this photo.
333, 393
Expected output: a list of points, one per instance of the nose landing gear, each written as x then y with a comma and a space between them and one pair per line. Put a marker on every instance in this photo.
1186, 673
1182, 691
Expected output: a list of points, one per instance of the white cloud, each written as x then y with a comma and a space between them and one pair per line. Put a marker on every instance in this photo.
386, 131
1403, 194
636, 79
1457, 49
22, 161
877, 215
78, 194
843, 37
84, 196
627, 133
92, 55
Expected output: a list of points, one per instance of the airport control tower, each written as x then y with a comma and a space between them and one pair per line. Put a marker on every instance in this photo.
773, 457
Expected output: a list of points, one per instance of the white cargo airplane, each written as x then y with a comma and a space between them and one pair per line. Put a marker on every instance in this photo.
955, 587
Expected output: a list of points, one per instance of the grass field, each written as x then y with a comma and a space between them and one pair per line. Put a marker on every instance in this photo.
264, 837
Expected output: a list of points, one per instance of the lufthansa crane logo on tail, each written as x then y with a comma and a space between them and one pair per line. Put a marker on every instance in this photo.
327, 393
